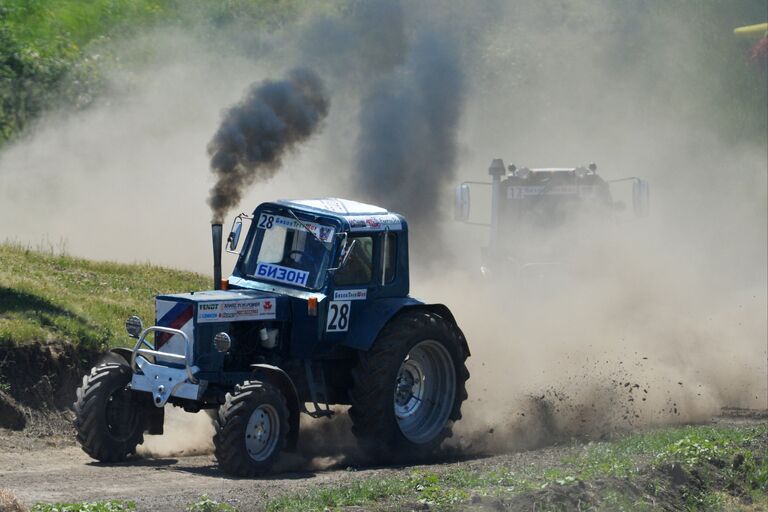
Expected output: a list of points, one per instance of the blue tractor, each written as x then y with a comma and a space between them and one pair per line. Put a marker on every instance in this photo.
315, 313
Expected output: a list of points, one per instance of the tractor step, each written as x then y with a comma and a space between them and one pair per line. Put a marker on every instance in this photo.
317, 390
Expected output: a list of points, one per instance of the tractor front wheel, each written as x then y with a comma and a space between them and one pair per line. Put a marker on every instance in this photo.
408, 389
109, 420
251, 429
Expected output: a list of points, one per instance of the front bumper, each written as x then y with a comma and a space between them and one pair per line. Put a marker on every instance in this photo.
165, 381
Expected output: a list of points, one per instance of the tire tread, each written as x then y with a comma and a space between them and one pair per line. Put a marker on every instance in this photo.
373, 387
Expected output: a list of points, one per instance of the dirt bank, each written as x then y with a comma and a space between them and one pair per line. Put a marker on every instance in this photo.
40, 379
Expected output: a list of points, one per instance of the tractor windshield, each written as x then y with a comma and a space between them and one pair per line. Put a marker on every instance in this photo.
289, 251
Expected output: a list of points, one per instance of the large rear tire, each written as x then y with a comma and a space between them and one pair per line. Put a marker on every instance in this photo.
408, 388
251, 429
109, 421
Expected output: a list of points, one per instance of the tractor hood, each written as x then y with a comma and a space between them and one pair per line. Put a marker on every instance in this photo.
218, 295
271, 289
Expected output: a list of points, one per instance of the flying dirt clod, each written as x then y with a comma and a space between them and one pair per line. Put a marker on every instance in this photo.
255, 133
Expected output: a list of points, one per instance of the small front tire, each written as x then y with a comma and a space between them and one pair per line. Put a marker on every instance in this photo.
251, 429
109, 419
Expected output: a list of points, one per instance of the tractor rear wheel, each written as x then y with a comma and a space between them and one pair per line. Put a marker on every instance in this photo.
251, 429
109, 420
409, 387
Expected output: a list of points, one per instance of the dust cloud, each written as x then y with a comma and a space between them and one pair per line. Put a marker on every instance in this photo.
658, 320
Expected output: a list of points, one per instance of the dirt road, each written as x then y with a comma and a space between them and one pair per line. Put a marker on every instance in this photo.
58, 470
67, 474
53, 469
62, 472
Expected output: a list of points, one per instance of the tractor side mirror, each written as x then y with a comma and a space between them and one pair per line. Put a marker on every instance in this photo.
641, 198
345, 255
461, 203
234, 235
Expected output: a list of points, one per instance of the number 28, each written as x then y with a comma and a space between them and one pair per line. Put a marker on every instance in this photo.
338, 316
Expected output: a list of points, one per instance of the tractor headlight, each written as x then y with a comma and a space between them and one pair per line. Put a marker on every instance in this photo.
223, 342
134, 326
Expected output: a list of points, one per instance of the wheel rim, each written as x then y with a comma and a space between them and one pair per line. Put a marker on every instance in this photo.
121, 415
262, 432
424, 391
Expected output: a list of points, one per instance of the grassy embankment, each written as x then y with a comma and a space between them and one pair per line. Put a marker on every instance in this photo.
721, 468
47, 297
56, 53
46, 57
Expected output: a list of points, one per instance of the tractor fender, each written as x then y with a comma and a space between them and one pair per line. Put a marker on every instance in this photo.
278, 378
364, 330
122, 355
119, 355
443, 311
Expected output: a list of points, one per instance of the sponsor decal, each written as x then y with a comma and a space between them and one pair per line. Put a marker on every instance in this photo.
236, 311
269, 221
282, 274
338, 316
176, 315
325, 233
374, 222
360, 294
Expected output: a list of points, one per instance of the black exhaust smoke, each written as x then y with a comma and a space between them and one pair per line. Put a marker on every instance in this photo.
216, 235
256, 132
409, 123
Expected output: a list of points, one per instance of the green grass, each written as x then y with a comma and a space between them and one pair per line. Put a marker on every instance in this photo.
55, 25
44, 57
97, 506
56, 53
206, 504
57, 297
68, 25
689, 445
442, 489
53, 53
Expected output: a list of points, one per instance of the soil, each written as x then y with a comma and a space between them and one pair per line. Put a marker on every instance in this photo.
44, 376
42, 462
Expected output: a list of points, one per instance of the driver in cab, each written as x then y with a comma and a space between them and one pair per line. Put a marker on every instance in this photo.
359, 265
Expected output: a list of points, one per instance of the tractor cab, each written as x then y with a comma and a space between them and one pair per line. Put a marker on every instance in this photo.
330, 247
339, 266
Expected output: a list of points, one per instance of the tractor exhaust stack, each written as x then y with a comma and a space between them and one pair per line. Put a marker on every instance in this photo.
216, 236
